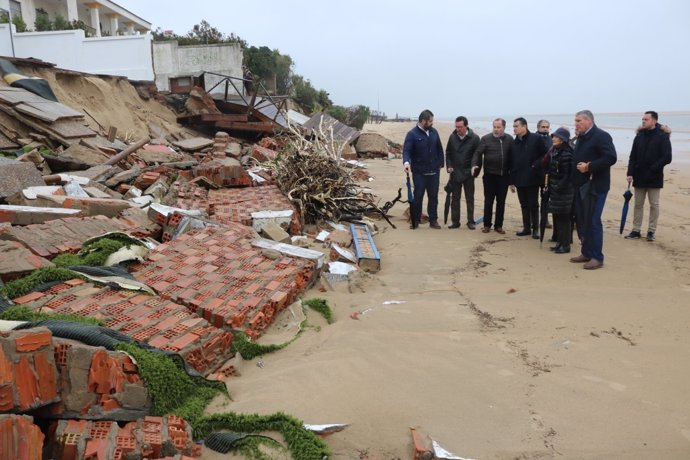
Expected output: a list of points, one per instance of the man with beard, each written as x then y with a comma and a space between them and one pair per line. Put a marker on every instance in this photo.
651, 151
423, 156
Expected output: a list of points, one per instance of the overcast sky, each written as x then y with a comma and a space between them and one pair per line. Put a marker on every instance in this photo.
501, 57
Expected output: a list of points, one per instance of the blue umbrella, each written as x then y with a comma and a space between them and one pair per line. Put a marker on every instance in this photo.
627, 195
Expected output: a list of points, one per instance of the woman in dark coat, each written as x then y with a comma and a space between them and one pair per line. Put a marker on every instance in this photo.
561, 189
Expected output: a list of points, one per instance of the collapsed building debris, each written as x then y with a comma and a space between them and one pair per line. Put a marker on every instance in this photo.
206, 282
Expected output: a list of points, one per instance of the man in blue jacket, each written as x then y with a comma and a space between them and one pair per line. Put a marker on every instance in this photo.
423, 156
594, 155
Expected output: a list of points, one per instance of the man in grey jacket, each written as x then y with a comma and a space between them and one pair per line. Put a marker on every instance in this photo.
459, 151
493, 153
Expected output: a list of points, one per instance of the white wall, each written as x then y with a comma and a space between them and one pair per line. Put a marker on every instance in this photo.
171, 60
128, 56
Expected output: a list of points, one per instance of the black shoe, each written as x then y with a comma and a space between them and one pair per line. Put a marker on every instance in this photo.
454, 226
634, 235
413, 225
523, 233
650, 236
554, 248
471, 225
562, 250
535, 234
434, 225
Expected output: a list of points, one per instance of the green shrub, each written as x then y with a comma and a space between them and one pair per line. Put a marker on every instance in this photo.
21, 313
43, 23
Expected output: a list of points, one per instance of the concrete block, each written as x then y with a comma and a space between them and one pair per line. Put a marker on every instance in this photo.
275, 232
27, 215
17, 176
261, 219
88, 206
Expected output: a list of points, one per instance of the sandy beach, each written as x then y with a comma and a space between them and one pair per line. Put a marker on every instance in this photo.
497, 348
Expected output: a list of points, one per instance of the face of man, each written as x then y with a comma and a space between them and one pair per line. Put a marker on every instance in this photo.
461, 128
544, 128
648, 122
426, 124
582, 124
498, 128
519, 129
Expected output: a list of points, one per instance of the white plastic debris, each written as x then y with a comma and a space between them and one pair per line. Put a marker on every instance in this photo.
341, 268
393, 302
442, 454
327, 428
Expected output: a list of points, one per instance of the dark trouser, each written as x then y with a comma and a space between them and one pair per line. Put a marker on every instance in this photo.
562, 229
428, 183
495, 188
529, 203
593, 239
468, 185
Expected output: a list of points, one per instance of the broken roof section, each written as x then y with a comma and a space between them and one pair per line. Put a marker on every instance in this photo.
321, 123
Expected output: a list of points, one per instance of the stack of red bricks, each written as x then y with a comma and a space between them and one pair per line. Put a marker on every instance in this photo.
190, 195
146, 179
217, 274
151, 437
154, 320
223, 172
61, 235
220, 143
237, 205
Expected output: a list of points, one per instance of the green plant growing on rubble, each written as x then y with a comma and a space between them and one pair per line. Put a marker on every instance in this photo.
173, 391
23, 286
249, 350
20, 313
93, 253
321, 306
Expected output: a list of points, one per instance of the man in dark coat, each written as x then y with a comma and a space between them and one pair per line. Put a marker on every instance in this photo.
459, 151
651, 151
493, 154
593, 157
423, 156
526, 174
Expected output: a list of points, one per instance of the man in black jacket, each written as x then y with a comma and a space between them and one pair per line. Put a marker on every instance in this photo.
494, 154
593, 157
651, 151
459, 151
526, 174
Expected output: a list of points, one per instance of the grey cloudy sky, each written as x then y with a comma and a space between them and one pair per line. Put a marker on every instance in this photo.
473, 57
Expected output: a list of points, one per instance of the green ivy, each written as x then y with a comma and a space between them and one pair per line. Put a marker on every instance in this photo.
29, 283
20, 313
249, 350
321, 306
173, 391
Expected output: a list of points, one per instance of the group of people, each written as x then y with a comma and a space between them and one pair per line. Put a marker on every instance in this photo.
573, 174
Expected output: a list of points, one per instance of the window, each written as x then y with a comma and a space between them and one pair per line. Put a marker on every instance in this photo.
15, 8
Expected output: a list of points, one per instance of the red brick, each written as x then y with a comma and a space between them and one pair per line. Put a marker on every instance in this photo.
26, 384
32, 340
47, 376
6, 398
28, 298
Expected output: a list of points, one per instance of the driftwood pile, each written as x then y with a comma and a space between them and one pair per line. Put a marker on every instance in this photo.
319, 183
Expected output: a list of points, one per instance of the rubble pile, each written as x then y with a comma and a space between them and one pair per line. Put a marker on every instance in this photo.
228, 234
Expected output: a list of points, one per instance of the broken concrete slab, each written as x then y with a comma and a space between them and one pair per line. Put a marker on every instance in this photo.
27, 197
84, 155
27, 215
290, 250
16, 260
98, 173
89, 206
152, 154
123, 177
275, 232
17, 176
282, 219
160, 213
194, 144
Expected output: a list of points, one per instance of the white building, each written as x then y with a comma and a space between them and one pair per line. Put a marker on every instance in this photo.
102, 17
115, 42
